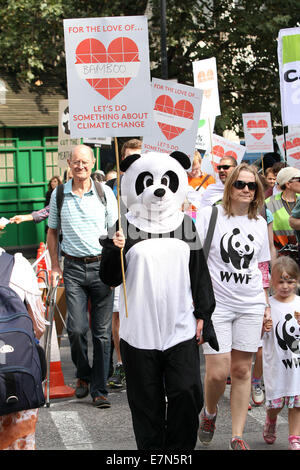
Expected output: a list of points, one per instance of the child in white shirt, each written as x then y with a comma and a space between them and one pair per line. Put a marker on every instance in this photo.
281, 352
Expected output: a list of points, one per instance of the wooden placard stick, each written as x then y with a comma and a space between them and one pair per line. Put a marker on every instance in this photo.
119, 219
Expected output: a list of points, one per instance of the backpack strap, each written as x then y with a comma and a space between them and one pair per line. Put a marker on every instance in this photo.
202, 183
59, 202
210, 231
11, 388
100, 191
6, 266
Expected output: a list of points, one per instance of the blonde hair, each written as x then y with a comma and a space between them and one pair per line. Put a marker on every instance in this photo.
197, 158
287, 265
256, 204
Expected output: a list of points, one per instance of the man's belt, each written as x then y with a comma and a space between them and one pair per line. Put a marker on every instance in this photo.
85, 259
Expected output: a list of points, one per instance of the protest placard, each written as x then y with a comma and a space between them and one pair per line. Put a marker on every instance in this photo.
176, 110
108, 76
258, 132
290, 142
289, 74
206, 79
65, 142
204, 134
222, 148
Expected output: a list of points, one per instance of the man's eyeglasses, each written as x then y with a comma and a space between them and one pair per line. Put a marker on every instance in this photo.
239, 184
79, 163
295, 180
223, 167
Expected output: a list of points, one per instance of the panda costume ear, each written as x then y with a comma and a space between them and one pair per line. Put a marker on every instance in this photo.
125, 164
182, 158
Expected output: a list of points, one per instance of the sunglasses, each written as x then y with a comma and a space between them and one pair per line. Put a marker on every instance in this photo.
252, 186
295, 180
223, 167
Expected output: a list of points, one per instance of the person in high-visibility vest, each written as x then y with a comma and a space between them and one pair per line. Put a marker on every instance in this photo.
281, 206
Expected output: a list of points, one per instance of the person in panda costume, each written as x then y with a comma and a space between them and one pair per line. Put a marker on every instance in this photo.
170, 301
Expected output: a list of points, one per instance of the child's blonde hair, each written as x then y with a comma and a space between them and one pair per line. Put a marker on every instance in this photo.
285, 264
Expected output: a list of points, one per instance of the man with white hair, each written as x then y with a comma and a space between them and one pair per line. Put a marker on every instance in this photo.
84, 219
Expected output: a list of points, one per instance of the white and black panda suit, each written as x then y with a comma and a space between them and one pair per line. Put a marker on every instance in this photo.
168, 287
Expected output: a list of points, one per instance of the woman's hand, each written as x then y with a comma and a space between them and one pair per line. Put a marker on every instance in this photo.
267, 322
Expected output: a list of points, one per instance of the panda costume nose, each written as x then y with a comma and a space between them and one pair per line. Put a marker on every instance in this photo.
160, 192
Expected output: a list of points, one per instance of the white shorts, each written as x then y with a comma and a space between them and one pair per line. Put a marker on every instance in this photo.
116, 307
236, 330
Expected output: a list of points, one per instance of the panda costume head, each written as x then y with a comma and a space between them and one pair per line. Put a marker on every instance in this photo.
153, 188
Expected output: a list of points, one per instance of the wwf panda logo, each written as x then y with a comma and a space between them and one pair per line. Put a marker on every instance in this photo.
290, 337
235, 249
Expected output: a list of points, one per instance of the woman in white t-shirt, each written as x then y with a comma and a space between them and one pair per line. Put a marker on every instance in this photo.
240, 242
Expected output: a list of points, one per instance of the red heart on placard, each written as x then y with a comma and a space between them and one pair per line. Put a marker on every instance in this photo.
93, 51
205, 77
292, 144
254, 125
182, 108
231, 153
219, 151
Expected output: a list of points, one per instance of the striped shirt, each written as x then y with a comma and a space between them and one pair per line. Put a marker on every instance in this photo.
83, 220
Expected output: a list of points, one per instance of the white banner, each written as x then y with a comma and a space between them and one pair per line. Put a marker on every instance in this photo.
65, 142
108, 75
258, 132
289, 75
206, 79
175, 115
204, 134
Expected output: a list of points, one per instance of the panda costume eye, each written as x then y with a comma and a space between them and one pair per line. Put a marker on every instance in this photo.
171, 180
144, 180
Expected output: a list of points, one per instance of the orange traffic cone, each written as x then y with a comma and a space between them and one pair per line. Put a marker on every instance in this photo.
57, 387
41, 265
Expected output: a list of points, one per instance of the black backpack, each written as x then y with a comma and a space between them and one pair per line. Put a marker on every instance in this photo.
21, 370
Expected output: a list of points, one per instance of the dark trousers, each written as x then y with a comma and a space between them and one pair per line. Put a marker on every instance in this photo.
151, 377
82, 283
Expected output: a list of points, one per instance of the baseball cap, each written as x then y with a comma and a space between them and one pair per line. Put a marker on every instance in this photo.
286, 174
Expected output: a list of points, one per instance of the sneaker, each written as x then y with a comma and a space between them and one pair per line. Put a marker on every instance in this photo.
118, 378
294, 443
207, 428
269, 432
82, 388
257, 394
101, 402
237, 443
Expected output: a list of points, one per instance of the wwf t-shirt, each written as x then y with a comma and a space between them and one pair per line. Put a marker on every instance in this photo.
281, 351
238, 245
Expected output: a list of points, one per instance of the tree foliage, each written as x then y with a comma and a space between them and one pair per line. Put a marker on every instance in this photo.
241, 34
31, 31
